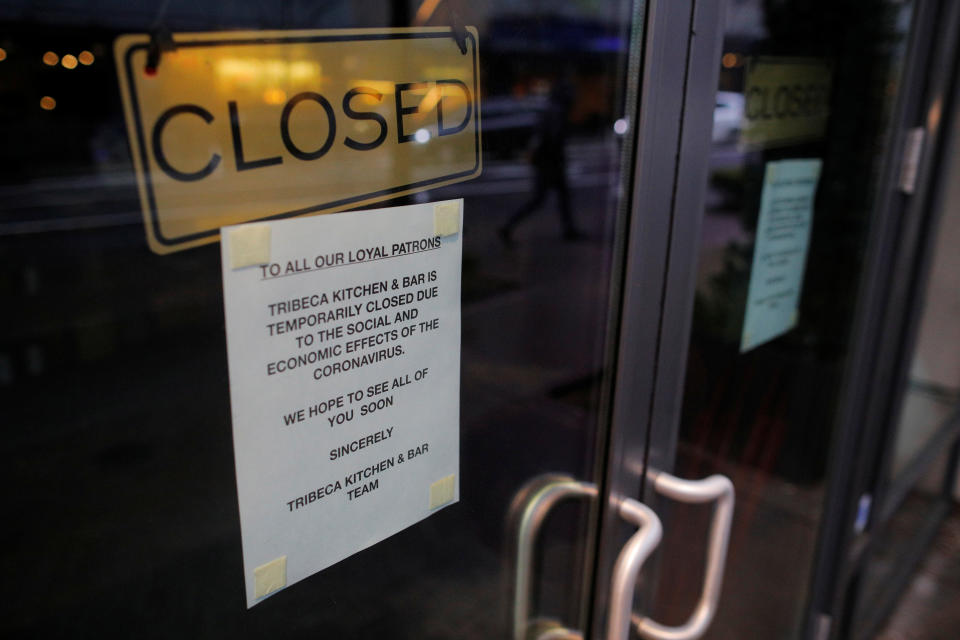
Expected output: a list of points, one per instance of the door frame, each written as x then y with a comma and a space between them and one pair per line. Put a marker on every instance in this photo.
679, 70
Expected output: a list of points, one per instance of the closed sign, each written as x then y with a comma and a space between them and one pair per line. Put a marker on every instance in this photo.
786, 101
240, 126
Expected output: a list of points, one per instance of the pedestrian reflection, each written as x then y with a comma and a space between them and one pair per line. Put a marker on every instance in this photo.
549, 161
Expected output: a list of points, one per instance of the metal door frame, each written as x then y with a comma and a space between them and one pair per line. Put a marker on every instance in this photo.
679, 72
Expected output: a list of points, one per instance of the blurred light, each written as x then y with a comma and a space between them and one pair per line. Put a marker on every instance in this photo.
425, 12
3, 53
303, 70
256, 72
382, 87
431, 99
933, 115
421, 136
731, 60
69, 61
85, 58
274, 96
50, 58
47, 103
620, 126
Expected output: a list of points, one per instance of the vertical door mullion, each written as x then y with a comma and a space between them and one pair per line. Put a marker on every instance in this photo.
671, 134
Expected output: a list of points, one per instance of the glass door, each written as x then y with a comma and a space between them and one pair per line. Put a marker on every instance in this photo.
122, 498
775, 274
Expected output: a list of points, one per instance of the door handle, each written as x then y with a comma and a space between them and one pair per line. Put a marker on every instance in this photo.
630, 560
716, 488
540, 496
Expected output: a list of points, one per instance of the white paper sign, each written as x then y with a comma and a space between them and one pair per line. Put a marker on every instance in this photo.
343, 340
780, 252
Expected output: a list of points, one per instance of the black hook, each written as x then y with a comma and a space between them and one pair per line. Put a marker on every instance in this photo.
160, 40
458, 31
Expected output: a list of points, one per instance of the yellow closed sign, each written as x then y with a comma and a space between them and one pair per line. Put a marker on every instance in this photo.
241, 126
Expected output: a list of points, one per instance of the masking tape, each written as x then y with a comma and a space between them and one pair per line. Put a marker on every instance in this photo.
249, 245
270, 577
441, 491
446, 218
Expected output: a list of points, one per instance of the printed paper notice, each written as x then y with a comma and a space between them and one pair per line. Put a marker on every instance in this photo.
343, 341
780, 252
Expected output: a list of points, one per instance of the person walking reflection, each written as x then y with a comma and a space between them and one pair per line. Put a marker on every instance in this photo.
550, 166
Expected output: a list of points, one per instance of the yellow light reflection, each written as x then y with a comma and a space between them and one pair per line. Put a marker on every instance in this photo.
255, 72
301, 70
237, 69
443, 71
3, 54
430, 100
85, 58
274, 96
451, 100
731, 60
50, 58
69, 61
425, 12
380, 86
47, 103
275, 69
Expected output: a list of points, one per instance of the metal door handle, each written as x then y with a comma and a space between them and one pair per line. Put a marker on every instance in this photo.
543, 493
715, 488
627, 568
551, 490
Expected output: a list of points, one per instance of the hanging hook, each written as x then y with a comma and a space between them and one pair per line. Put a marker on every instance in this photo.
160, 41
457, 29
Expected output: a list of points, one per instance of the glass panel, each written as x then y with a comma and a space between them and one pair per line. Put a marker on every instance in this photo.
912, 526
800, 128
932, 396
933, 393
113, 360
